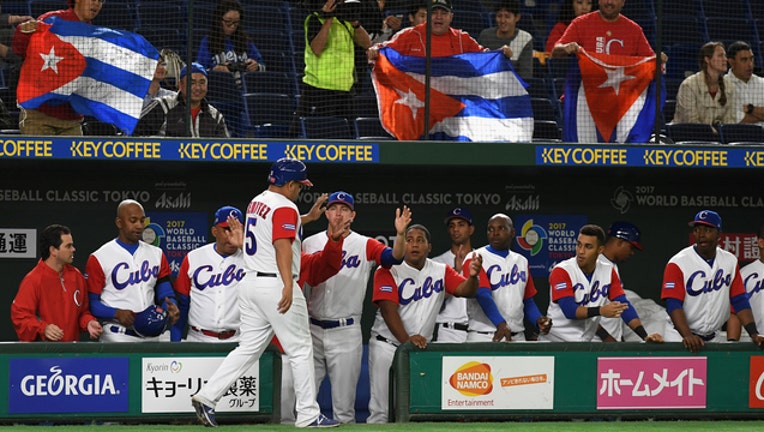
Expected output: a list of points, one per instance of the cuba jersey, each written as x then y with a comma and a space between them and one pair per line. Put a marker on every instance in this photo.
753, 279
509, 279
270, 217
125, 281
342, 295
455, 308
418, 293
568, 280
212, 281
614, 326
704, 289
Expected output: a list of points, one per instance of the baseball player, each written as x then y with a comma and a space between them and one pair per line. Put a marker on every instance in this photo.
622, 241
409, 296
335, 305
269, 302
452, 320
699, 284
580, 289
52, 302
506, 290
753, 279
126, 276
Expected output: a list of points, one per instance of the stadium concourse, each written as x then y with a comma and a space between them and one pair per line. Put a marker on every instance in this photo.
261, 103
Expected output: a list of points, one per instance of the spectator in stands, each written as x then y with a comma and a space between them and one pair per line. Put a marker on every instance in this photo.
227, 48
156, 90
568, 10
392, 23
506, 33
168, 115
330, 34
48, 119
705, 96
749, 88
8, 24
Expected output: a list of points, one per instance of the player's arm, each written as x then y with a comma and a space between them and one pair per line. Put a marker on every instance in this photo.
183, 296
96, 280
24, 313
87, 322
283, 248
389, 311
320, 266
743, 311
315, 211
165, 294
467, 287
673, 293
734, 328
402, 221
629, 314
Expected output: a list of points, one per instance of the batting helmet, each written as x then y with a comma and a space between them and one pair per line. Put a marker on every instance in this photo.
285, 170
625, 231
151, 322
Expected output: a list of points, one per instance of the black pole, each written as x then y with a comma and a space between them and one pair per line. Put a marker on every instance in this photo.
427, 72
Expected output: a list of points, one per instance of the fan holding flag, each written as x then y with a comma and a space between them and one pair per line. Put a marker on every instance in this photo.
72, 68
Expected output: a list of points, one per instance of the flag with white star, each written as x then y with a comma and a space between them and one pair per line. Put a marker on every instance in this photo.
101, 72
473, 97
610, 98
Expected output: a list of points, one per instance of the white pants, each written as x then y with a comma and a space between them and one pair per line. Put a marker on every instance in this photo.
195, 336
113, 332
672, 335
338, 352
260, 319
450, 335
380, 360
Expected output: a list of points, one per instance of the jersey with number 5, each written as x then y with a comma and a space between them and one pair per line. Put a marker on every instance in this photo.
270, 216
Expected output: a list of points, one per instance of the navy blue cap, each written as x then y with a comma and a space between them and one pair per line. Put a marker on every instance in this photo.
625, 231
459, 213
708, 218
195, 68
221, 216
342, 198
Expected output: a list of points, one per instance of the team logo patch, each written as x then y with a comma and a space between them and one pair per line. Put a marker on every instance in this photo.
561, 285
386, 288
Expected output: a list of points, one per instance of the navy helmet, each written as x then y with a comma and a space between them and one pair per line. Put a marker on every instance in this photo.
151, 322
285, 170
625, 231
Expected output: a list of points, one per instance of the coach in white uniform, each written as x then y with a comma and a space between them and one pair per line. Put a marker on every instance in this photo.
699, 284
126, 276
583, 289
505, 296
753, 279
451, 324
409, 297
269, 300
335, 305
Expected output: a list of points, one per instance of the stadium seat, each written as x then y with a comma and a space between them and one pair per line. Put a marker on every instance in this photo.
93, 127
116, 14
682, 29
265, 18
269, 82
538, 88
270, 114
683, 62
223, 94
692, 132
470, 21
323, 127
39, 7
16, 7
165, 14
728, 8
544, 109
728, 30
370, 128
669, 107
741, 132
546, 131
278, 61
365, 105
270, 40
690, 8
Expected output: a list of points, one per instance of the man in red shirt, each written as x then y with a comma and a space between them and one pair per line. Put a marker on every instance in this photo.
52, 302
47, 119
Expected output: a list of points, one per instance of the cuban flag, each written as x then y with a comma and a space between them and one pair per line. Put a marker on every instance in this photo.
101, 72
610, 98
473, 97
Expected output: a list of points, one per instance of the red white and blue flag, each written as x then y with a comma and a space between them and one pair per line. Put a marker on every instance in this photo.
473, 97
610, 98
101, 72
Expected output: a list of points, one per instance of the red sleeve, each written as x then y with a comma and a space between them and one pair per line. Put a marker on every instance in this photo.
320, 266
673, 283
616, 289
374, 249
24, 311
561, 284
164, 268
482, 277
530, 287
470, 44
570, 34
96, 279
183, 282
737, 287
85, 315
643, 46
452, 279
385, 287
285, 223
20, 40
554, 35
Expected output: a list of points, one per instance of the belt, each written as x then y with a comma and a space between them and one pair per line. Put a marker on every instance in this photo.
706, 338
330, 324
122, 330
384, 339
455, 326
261, 274
221, 335
491, 332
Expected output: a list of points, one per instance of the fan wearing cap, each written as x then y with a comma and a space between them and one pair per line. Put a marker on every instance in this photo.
451, 324
622, 241
336, 305
269, 301
168, 115
699, 285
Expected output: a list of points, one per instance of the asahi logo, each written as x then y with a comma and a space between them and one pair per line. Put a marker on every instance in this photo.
58, 383
169, 201
523, 203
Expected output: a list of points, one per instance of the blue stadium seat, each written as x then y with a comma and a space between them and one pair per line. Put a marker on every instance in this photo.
269, 82
39, 7
365, 105
370, 128
116, 14
539, 88
470, 21
270, 40
278, 61
265, 18
165, 14
223, 94
16, 7
741, 132
690, 8
270, 114
692, 132
546, 131
544, 109
728, 30
324, 127
682, 29
727, 8
683, 61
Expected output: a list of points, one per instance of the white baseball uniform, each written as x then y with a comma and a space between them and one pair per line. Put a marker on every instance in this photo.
419, 295
568, 280
614, 326
335, 308
211, 281
509, 279
126, 281
270, 217
452, 319
705, 290
753, 279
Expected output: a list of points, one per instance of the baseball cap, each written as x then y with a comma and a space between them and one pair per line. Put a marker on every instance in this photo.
625, 231
195, 68
342, 198
286, 169
459, 213
708, 218
221, 216
443, 4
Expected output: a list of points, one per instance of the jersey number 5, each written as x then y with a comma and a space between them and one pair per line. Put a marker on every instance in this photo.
250, 243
